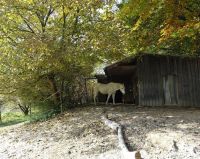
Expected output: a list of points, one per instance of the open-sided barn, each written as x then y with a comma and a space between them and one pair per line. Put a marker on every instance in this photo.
155, 80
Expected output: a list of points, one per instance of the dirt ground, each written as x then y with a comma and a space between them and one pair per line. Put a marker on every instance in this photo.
164, 133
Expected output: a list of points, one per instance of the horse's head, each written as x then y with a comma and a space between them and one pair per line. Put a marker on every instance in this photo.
122, 88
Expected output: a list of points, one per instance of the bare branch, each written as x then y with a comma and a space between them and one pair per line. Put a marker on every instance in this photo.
28, 25
50, 11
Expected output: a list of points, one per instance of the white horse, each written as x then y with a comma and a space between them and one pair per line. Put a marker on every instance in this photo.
109, 89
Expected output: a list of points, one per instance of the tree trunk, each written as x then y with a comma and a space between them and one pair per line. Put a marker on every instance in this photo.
55, 92
61, 96
25, 109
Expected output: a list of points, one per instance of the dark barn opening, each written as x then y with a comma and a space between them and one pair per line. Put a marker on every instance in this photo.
118, 97
125, 72
122, 73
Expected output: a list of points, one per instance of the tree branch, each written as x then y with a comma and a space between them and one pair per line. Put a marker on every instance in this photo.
43, 19
75, 23
50, 11
28, 25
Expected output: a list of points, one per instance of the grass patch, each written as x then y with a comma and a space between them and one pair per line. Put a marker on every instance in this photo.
13, 118
43, 116
17, 117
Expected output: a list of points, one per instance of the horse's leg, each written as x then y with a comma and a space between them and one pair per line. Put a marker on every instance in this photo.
95, 99
113, 97
95, 96
108, 99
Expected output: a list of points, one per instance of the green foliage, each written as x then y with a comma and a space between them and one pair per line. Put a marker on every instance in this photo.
166, 26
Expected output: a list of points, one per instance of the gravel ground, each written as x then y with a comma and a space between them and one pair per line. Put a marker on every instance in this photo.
163, 133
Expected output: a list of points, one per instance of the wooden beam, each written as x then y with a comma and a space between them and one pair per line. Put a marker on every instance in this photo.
120, 70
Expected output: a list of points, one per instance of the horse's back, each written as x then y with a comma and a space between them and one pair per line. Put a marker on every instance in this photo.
106, 88
102, 85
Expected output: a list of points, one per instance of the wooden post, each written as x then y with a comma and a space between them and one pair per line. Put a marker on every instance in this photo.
86, 91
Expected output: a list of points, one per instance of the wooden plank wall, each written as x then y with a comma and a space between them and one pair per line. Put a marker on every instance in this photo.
151, 71
189, 82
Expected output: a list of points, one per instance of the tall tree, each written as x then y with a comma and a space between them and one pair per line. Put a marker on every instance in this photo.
47, 45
